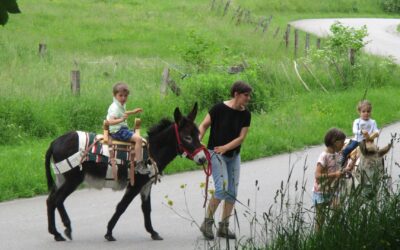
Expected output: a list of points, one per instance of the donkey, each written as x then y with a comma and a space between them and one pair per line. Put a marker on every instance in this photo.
368, 168
166, 140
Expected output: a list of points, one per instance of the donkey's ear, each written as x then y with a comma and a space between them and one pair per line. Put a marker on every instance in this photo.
177, 115
386, 149
192, 115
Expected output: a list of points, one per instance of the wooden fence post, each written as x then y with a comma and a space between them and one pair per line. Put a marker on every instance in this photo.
259, 23
75, 82
318, 43
276, 31
287, 33
42, 49
307, 46
239, 17
352, 56
236, 12
164, 81
212, 4
296, 42
267, 22
226, 7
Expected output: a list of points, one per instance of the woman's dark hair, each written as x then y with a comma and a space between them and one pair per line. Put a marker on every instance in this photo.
240, 87
333, 135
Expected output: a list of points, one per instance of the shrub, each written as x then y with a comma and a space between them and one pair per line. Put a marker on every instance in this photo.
391, 5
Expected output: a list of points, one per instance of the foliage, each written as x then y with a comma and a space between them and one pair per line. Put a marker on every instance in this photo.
197, 52
391, 5
7, 6
213, 87
337, 48
344, 38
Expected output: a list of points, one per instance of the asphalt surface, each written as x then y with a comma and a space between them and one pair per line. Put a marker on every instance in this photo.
23, 222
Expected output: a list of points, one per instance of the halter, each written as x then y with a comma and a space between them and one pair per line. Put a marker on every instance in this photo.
185, 153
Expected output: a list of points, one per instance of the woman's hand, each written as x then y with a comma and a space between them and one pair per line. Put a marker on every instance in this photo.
220, 150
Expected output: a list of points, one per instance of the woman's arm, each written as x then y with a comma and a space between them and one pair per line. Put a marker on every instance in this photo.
234, 143
205, 124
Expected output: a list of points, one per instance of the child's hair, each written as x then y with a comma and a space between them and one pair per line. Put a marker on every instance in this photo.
240, 87
333, 135
120, 87
364, 104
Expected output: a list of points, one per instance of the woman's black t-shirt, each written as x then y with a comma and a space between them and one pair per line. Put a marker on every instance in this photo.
226, 124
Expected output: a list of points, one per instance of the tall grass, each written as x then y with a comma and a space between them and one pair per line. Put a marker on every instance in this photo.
360, 221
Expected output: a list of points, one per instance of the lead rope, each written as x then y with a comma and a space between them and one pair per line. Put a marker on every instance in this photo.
208, 171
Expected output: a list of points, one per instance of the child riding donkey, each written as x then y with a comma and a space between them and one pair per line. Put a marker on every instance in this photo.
119, 130
365, 159
363, 127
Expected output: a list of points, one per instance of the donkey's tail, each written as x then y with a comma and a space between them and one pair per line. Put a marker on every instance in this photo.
50, 181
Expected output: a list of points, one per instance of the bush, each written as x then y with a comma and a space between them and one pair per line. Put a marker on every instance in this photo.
391, 5
23, 118
197, 52
211, 88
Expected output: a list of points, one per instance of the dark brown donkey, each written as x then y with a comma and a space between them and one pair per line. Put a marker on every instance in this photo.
166, 140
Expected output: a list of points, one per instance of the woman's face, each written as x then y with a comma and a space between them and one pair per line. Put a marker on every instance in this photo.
243, 98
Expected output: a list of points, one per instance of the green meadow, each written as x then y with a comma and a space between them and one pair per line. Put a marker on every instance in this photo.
133, 41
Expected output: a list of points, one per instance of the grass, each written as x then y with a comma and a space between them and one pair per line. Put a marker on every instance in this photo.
110, 41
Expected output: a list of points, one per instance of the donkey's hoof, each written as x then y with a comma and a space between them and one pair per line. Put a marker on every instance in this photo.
68, 233
109, 237
156, 236
58, 237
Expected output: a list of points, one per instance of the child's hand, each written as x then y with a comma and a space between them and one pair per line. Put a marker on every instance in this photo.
339, 174
135, 111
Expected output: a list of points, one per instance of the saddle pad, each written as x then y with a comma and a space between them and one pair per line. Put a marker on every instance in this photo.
98, 153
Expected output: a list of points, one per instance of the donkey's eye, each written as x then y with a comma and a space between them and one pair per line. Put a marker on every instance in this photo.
188, 139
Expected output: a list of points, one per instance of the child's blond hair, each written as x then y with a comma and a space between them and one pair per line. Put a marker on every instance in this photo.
364, 104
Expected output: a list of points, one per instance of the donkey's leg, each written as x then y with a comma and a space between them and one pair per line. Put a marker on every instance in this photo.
66, 190
56, 200
129, 195
146, 208
51, 207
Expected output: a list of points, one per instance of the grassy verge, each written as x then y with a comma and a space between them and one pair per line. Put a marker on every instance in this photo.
187, 36
300, 121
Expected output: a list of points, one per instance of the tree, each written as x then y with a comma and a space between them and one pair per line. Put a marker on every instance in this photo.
7, 6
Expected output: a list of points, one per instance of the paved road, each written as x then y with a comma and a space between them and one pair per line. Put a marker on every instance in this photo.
23, 222
383, 37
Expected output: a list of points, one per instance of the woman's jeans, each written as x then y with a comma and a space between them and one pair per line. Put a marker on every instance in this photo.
226, 173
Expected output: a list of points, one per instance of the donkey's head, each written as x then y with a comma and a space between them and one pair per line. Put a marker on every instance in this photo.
187, 135
369, 148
